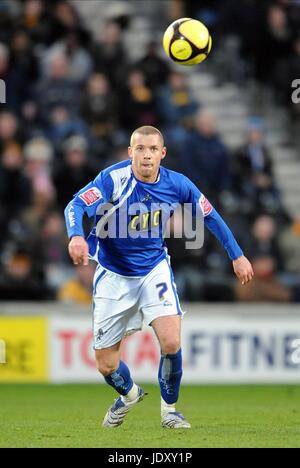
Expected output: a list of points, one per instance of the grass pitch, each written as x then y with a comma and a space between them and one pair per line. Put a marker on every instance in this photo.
221, 416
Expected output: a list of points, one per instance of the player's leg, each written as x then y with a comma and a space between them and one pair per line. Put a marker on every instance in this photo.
116, 372
110, 320
117, 375
167, 330
161, 309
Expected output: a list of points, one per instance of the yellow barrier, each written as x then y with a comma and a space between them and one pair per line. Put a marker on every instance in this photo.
24, 349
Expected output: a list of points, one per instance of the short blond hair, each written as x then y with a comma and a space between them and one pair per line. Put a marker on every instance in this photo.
147, 130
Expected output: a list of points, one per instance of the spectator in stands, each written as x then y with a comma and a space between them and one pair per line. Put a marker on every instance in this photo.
32, 219
205, 158
53, 241
9, 129
36, 21
99, 110
54, 238
175, 108
63, 125
80, 62
265, 287
98, 106
23, 64
289, 241
175, 104
79, 289
8, 11
66, 20
136, 103
38, 160
155, 69
57, 88
253, 159
275, 44
75, 172
253, 172
265, 240
31, 123
109, 54
15, 187
38, 154
20, 281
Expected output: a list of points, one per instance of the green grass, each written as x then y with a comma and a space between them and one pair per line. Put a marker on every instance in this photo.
221, 416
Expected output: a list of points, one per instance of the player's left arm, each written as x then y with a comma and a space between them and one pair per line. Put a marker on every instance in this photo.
189, 193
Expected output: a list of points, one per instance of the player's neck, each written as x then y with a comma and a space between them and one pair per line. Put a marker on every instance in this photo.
147, 180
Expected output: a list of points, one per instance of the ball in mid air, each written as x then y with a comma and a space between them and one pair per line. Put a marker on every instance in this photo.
187, 41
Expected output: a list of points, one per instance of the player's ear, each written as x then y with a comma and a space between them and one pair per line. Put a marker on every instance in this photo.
130, 152
164, 152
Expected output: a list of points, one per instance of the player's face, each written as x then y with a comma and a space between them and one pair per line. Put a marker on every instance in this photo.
146, 153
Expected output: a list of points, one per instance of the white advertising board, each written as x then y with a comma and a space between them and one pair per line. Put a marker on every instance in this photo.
217, 348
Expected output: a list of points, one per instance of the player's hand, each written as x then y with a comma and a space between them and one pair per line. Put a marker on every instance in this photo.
243, 269
79, 251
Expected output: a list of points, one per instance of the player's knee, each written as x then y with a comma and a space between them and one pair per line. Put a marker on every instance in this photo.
170, 346
106, 368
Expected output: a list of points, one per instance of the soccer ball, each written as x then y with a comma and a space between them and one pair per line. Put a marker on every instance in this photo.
187, 41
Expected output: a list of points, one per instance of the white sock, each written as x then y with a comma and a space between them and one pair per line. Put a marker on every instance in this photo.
131, 395
166, 408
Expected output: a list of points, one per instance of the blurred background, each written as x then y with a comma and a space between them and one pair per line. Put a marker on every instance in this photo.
82, 75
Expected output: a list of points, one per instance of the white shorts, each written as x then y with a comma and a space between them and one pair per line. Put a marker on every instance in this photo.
122, 303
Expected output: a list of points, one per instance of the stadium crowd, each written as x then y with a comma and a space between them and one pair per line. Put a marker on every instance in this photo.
72, 101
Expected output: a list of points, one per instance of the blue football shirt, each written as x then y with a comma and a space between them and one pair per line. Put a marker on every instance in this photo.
130, 217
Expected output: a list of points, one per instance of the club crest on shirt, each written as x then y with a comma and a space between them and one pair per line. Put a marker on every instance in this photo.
147, 197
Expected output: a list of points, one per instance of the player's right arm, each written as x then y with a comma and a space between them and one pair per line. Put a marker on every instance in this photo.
79, 250
86, 201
